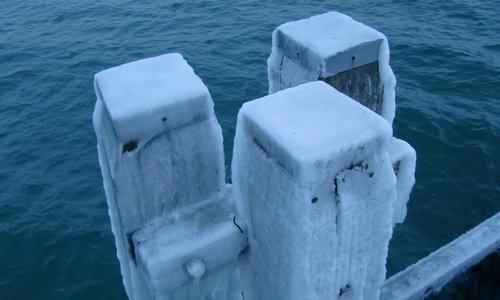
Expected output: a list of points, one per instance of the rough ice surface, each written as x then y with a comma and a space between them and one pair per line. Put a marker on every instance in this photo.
403, 159
313, 180
432, 272
191, 253
160, 149
325, 45
318, 179
181, 162
134, 283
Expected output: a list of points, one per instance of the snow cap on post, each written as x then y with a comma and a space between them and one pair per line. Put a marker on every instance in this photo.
350, 56
313, 179
302, 126
148, 96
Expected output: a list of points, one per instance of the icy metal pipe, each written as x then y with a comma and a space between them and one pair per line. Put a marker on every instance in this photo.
431, 273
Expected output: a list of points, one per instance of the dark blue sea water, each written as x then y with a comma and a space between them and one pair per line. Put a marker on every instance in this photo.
55, 237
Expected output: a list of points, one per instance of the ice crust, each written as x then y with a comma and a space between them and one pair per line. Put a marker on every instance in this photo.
176, 251
176, 167
403, 159
315, 184
134, 283
308, 49
160, 149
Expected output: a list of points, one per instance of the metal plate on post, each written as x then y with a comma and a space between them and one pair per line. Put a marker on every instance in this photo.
361, 84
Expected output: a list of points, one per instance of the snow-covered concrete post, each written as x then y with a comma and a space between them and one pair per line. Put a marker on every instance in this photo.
313, 179
161, 155
354, 59
333, 47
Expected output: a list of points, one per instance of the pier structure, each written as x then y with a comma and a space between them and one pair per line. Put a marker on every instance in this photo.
318, 180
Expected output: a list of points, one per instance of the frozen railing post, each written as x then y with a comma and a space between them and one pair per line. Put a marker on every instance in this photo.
333, 47
162, 161
354, 59
312, 177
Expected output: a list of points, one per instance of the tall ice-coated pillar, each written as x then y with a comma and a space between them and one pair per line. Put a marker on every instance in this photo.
333, 47
161, 156
313, 179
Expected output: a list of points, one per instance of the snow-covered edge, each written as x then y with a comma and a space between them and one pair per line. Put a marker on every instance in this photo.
431, 273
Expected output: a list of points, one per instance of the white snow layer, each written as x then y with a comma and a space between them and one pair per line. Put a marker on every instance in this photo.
149, 96
179, 163
305, 50
160, 149
313, 179
191, 253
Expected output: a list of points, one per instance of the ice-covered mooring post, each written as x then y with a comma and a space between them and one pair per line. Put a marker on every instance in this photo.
313, 179
161, 156
318, 181
354, 59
